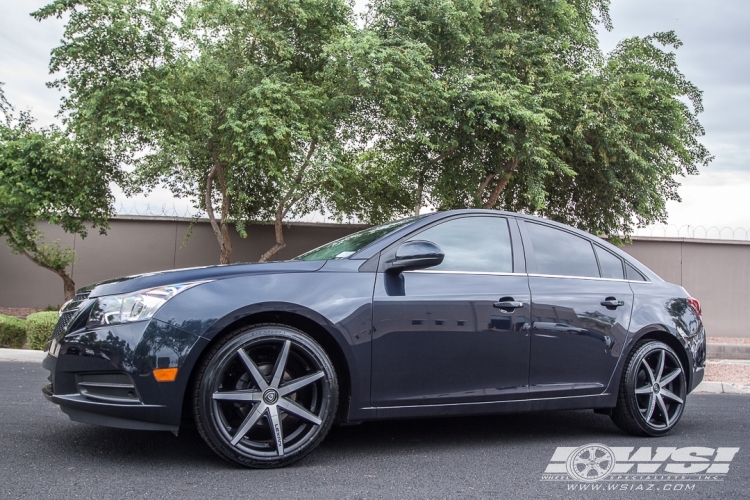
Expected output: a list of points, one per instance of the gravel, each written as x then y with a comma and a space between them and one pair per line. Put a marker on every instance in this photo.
733, 373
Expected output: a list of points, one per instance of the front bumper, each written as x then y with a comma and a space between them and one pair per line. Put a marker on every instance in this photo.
105, 376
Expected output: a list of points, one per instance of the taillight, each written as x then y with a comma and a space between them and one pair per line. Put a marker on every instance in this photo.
695, 305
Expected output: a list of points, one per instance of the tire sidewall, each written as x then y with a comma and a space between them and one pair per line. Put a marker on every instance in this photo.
630, 384
206, 420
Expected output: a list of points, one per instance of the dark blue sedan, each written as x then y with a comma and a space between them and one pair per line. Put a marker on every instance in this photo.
464, 312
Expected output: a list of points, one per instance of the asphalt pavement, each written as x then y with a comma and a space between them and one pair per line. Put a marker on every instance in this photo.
44, 455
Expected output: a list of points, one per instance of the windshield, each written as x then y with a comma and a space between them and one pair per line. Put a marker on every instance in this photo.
349, 245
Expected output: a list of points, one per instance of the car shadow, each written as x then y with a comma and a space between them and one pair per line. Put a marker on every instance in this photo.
394, 437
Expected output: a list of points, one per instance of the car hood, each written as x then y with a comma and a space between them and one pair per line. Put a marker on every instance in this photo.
136, 282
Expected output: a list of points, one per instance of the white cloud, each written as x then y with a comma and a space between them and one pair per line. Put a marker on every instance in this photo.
713, 199
25, 46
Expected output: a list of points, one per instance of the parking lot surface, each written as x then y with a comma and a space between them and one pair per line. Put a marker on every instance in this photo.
44, 455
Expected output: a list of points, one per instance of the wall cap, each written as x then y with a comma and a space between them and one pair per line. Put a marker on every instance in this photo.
204, 220
690, 240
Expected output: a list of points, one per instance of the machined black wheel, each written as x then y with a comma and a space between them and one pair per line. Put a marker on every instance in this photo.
652, 391
265, 396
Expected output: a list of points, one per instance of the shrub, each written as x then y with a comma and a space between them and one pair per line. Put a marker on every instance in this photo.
12, 332
39, 327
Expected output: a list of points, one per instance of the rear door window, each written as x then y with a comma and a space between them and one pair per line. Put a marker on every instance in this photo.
561, 253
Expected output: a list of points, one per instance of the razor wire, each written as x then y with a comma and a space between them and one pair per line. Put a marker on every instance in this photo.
140, 209
698, 232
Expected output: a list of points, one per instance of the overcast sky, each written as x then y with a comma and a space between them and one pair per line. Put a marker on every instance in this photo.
714, 56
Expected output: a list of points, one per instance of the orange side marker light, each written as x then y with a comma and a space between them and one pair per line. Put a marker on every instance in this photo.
165, 374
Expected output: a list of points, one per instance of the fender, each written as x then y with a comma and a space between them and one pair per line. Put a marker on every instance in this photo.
340, 303
692, 348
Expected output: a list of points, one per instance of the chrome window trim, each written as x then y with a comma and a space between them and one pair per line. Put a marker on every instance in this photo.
585, 278
491, 273
531, 275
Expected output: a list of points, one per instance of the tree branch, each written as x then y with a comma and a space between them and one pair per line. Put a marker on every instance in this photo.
283, 208
483, 185
508, 169
69, 286
220, 228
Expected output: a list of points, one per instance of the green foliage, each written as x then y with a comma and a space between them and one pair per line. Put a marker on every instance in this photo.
39, 328
45, 174
522, 111
230, 103
632, 132
12, 332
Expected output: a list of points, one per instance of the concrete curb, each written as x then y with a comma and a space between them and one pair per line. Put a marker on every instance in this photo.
21, 355
728, 351
721, 388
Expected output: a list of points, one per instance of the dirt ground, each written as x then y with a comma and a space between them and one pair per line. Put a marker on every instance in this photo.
728, 340
17, 311
726, 371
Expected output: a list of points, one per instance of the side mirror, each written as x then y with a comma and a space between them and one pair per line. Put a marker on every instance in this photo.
416, 254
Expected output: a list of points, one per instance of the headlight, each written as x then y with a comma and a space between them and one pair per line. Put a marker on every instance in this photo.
135, 306
64, 306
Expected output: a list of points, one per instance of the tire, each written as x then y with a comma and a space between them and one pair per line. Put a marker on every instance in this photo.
265, 396
652, 391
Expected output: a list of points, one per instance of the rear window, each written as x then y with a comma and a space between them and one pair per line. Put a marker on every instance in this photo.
634, 274
610, 264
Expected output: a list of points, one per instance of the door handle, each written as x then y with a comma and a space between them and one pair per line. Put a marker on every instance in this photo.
508, 304
612, 303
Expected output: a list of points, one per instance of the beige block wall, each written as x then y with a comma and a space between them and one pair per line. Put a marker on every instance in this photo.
715, 272
141, 245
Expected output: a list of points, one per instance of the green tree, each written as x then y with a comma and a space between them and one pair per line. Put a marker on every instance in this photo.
632, 130
525, 112
46, 176
239, 105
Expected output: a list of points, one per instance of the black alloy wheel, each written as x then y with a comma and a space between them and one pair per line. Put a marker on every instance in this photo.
265, 396
652, 391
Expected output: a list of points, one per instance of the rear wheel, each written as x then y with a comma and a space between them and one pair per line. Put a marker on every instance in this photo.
265, 396
652, 391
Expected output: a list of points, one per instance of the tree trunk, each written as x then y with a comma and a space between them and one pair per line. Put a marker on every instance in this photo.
283, 208
508, 170
420, 190
279, 230
220, 228
69, 286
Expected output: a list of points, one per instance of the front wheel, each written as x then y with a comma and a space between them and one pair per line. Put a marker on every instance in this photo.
265, 396
652, 391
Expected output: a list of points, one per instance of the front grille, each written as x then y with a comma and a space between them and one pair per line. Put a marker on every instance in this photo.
62, 323
69, 313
